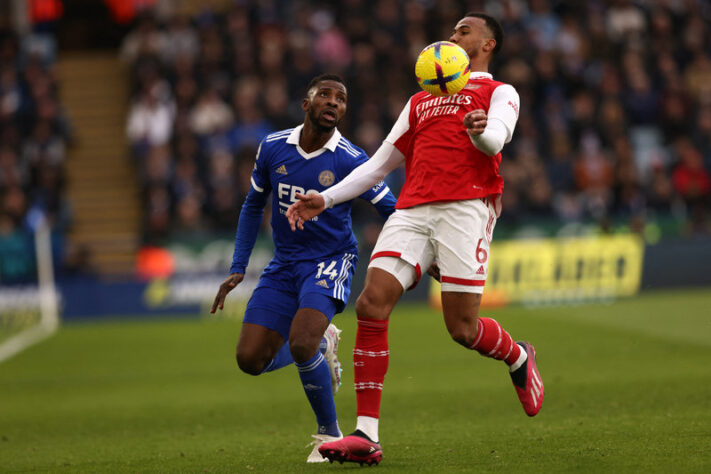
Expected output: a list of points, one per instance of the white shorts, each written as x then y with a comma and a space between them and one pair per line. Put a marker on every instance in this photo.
454, 234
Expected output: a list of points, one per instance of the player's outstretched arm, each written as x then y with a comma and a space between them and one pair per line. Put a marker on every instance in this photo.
228, 285
489, 131
306, 207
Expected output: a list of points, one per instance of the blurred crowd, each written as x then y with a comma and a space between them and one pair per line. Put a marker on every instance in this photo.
615, 121
34, 134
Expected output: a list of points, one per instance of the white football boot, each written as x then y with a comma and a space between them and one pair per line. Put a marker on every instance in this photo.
319, 439
332, 336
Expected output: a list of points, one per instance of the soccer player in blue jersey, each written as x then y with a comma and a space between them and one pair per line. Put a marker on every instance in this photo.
308, 281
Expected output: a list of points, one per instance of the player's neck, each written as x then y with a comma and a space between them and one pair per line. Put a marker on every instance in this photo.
479, 64
312, 138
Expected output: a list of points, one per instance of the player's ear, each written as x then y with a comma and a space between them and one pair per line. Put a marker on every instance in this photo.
489, 45
305, 104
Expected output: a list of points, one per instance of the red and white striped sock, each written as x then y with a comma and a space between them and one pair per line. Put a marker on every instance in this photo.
370, 363
493, 341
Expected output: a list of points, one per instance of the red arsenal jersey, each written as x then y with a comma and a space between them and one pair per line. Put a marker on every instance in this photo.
441, 163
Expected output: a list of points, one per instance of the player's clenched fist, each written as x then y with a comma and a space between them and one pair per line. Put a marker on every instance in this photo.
228, 285
306, 207
475, 122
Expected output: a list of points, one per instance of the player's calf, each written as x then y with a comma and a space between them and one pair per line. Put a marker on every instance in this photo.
493, 341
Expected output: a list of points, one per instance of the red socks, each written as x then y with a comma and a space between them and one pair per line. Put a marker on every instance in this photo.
371, 357
370, 363
493, 341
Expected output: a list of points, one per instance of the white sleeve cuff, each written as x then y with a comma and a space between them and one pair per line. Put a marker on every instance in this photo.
492, 140
327, 200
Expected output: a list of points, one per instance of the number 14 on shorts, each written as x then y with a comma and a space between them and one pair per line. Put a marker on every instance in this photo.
327, 269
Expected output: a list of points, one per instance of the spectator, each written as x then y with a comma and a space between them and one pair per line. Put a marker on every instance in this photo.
693, 183
147, 39
150, 121
210, 114
594, 177
607, 89
34, 133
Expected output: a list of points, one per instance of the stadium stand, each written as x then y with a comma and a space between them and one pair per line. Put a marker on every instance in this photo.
103, 191
615, 124
34, 134
614, 132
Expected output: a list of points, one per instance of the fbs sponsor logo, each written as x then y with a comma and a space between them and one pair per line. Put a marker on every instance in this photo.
281, 170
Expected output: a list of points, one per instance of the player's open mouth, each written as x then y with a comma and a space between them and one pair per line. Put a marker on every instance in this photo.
329, 115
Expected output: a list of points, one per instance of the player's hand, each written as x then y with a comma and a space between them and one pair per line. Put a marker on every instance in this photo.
307, 207
228, 285
433, 271
475, 122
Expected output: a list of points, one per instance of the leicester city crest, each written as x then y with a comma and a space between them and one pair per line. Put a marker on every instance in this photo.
326, 178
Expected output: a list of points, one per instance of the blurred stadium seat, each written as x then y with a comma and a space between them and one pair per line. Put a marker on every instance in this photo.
614, 133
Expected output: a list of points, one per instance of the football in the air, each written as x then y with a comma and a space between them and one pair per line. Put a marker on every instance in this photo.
442, 68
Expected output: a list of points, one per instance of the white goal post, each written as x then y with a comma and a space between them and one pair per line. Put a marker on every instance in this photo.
42, 298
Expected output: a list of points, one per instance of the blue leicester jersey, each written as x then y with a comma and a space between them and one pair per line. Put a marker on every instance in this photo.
284, 169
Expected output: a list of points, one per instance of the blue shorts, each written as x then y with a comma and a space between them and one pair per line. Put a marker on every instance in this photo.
284, 288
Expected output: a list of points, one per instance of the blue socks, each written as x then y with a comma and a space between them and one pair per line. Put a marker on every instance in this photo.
281, 359
316, 379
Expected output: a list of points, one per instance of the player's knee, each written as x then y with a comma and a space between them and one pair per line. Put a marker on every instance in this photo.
370, 306
302, 350
464, 334
249, 364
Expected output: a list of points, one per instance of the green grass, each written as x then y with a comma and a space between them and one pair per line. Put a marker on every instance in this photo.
628, 389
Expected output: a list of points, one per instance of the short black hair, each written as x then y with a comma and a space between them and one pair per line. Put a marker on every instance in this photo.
324, 77
493, 25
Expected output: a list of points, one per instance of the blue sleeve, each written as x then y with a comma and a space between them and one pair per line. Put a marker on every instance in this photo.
250, 217
379, 195
383, 200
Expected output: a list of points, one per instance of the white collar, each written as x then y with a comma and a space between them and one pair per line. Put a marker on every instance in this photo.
330, 145
480, 75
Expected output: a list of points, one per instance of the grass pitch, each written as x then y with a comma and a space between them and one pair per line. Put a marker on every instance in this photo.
628, 389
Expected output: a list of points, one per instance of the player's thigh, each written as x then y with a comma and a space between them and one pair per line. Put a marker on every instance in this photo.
462, 236
403, 248
330, 276
324, 286
258, 344
272, 309
383, 288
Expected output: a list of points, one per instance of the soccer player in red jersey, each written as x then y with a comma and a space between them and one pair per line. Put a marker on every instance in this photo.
446, 212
